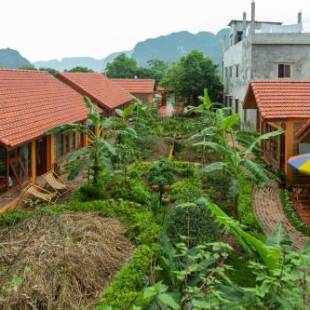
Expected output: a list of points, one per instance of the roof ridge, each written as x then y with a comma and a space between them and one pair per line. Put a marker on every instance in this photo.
281, 81
22, 70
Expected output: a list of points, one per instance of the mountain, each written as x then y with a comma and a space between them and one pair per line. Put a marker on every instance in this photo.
12, 59
173, 46
168, 48
71, 62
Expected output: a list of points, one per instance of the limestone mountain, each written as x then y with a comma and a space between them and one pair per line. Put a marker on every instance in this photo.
168, 48
12, 59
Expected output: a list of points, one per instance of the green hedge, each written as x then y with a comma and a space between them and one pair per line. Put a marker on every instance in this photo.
127, 287
245, 211
292, 215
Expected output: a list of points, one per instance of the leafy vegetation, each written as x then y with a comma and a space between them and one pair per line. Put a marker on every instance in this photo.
292, 215
191, 222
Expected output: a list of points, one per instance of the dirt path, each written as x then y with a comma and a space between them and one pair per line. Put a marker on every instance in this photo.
268, 208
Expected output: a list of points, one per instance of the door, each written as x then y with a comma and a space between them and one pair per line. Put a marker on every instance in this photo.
41, 149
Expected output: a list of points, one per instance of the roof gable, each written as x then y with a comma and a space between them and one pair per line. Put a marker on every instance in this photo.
33, 102
98, 87
279, 98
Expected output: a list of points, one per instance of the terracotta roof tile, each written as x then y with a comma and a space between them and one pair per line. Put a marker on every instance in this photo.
137, 86
32, 102
280, 98
97, 86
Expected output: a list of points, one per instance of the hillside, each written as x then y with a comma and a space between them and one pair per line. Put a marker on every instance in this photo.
12, 59
168, 48
68, 63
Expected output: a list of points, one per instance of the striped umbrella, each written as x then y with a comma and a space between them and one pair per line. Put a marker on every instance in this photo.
301, 163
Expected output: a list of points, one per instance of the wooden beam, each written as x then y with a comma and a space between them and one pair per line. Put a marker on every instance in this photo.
289, 152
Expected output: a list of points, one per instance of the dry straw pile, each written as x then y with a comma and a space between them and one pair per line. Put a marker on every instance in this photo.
60, 261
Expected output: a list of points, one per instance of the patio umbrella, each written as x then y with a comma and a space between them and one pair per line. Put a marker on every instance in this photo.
301, 163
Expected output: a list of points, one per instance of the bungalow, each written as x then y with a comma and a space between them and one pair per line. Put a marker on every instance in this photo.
31, 103
101, 90
142, 89
282, 104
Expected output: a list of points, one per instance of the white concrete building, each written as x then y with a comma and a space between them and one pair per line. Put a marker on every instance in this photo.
262, 50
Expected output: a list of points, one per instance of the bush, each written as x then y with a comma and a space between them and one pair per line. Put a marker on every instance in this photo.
127, 287
128, 189
187, 190
139, 169
245, 211
89, 192
193, 220
291, 214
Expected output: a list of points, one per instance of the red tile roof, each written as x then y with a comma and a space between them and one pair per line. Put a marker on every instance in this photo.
303, 130
97, 87
137, 86
32, 102
280, 98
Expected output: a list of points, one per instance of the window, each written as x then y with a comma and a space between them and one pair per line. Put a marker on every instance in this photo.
239, 36
284, 71
236, 106
237, 71
230, 71
226, 71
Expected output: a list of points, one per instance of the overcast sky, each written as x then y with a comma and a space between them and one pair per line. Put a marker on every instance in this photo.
46, 29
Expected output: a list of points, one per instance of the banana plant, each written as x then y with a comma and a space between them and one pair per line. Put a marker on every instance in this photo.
96, 155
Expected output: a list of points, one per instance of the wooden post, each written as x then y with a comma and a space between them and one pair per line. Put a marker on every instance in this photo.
289, 134
33, 161
52, 152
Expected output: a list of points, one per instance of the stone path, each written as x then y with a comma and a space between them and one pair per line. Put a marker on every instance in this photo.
268, 208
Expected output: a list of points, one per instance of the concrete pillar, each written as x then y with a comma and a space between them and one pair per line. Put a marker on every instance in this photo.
299, 18
253, 17
244, 25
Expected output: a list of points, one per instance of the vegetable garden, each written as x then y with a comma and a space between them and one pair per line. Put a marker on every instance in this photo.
163, 222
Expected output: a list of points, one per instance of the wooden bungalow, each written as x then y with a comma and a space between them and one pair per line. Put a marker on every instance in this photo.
142, 89
32, 103
282, 104
101, 90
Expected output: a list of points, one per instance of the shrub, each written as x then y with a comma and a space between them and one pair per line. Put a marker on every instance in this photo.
245, 211
139, 169
291, 214
192, 220
161, 173
127, 287
88, 192
128, 189
187, 190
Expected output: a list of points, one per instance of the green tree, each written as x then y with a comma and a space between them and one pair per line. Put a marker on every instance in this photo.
80, 69
122, 67
156, 70
49, 70
28, 67
188, 77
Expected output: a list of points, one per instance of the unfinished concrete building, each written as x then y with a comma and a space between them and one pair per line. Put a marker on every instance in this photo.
262, 50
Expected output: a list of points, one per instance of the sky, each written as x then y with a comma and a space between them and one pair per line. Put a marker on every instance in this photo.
53, 29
